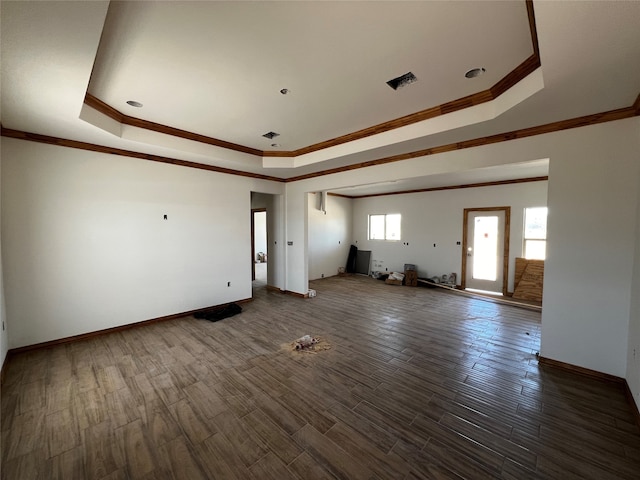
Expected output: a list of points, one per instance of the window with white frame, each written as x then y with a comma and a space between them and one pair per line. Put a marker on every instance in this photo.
385, 227
535, 233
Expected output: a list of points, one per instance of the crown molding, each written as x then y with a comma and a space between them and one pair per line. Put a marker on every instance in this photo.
448, 187
584, 121
527, 67
63, 142
603, 117
111, 112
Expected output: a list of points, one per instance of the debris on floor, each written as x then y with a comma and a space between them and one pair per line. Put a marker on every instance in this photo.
395, 278
309, 344
443, 280
306, 341
219, 313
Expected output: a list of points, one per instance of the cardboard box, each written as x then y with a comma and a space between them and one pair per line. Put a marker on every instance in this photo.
411, 278
390, 281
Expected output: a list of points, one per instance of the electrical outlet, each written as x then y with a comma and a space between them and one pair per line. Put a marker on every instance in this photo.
322, 275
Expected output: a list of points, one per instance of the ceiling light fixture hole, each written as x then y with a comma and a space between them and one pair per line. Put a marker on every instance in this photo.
133, 103
284, 91
475, 72
275, 144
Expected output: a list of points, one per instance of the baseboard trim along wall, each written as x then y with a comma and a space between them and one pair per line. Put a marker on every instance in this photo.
84, 336
3, 371
287, 292
296, 294
632, 402
605, 377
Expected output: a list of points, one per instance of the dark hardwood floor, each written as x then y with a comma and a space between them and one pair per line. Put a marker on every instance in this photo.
418, 384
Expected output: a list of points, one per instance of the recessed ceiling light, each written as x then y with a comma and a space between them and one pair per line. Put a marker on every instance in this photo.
475, 72
133, 103
284, 91
275, 144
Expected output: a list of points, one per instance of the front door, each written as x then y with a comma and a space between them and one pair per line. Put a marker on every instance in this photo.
485, 253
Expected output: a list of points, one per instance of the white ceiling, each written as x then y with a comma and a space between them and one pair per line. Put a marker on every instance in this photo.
216, 68
513, 171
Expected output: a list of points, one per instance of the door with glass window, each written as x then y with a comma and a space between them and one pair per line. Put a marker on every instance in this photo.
485, 254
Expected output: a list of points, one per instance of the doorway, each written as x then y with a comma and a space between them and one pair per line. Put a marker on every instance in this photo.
485, 249
259, 245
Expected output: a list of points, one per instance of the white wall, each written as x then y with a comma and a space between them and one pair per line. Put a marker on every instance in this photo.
593, 176
296, 197
593, 189
85, 246
4, 334
633, 351
297, 260
329, 235
430, 218
260, 232
275, 235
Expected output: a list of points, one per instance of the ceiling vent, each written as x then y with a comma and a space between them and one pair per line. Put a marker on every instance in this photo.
271, 135
402, 81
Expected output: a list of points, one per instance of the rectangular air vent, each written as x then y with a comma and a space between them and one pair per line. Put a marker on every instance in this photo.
271, 135
402, 81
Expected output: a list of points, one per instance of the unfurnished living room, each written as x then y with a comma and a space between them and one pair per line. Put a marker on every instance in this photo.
320, 240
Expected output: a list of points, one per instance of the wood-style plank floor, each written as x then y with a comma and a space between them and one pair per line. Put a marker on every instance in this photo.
419, 384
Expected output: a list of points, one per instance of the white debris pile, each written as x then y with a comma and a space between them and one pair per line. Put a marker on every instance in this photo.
396, 276
307, 341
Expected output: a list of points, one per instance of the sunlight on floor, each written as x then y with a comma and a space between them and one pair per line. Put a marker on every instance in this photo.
261, 273
475, 290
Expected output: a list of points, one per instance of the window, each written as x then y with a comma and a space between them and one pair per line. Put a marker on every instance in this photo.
384, 227
535, 233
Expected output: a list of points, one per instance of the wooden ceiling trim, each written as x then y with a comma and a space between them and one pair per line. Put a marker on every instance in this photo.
519, 73
106, 109
448, 187
584, 121
449, 107
610, 116
532, 28
103, 107
61, 142
529, 65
